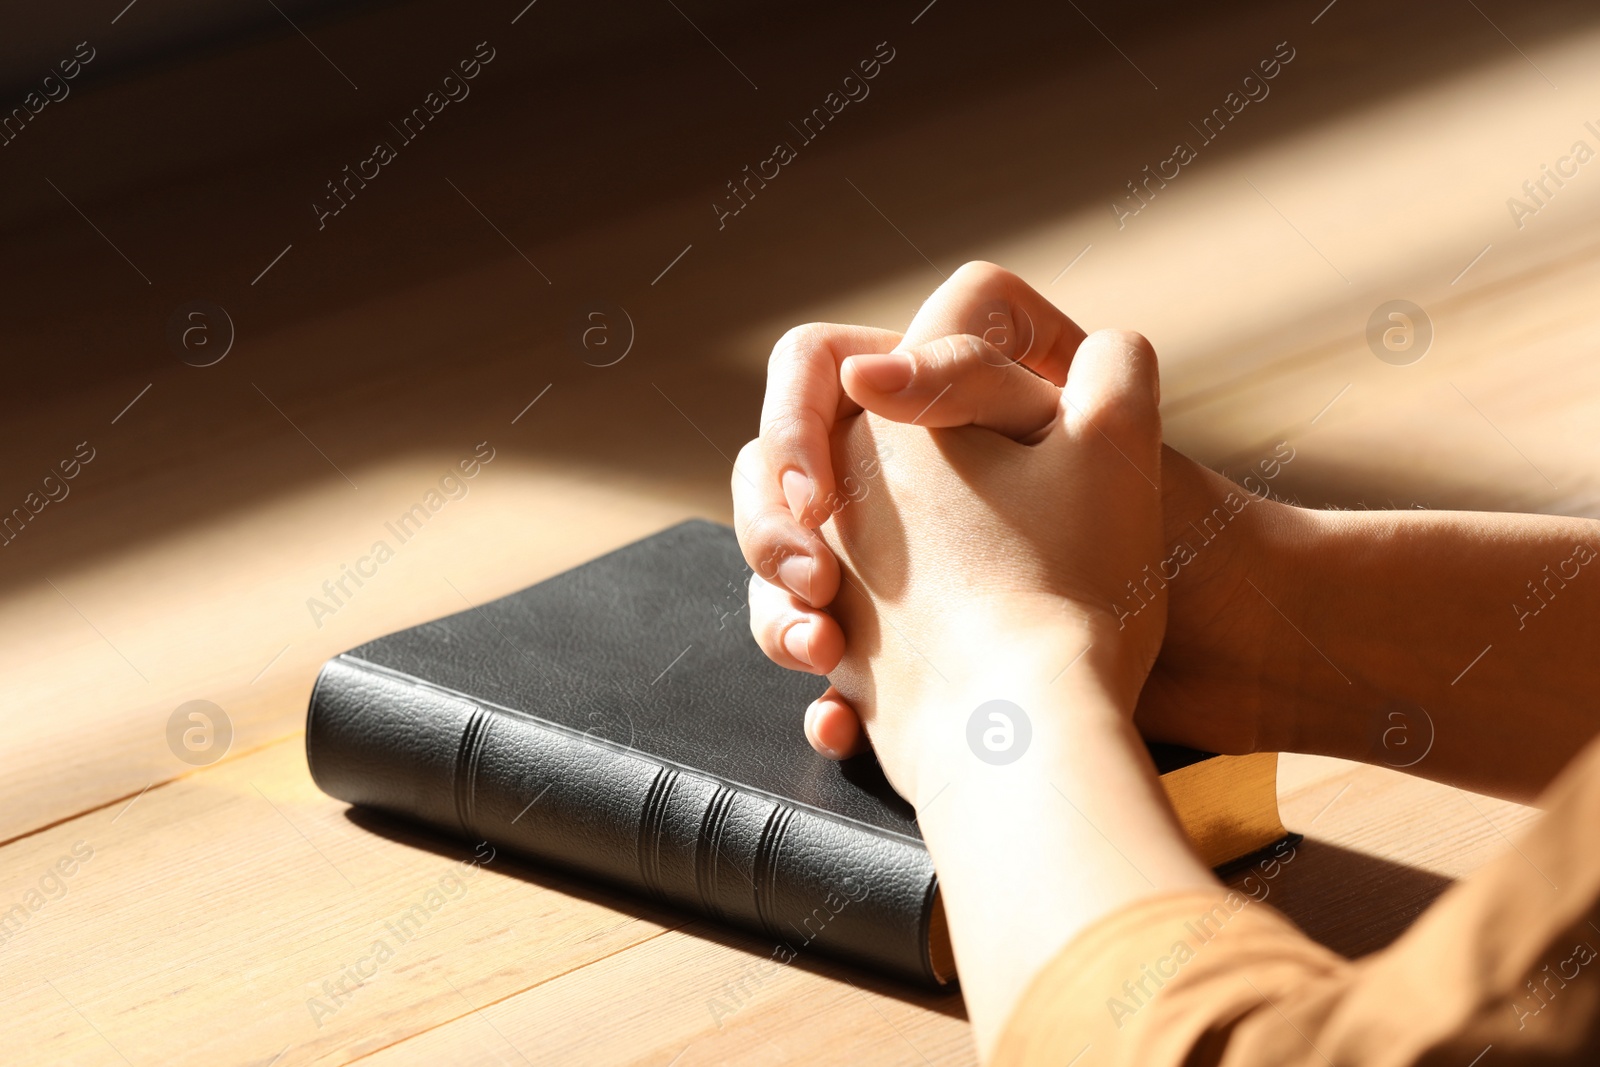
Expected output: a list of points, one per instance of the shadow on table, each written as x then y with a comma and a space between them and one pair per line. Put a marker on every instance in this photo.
608, 896
1352, 902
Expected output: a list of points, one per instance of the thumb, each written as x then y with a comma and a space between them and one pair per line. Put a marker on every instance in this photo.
953, 381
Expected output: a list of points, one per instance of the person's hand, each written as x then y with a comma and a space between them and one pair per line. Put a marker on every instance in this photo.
784, 482
968, 557
967, 349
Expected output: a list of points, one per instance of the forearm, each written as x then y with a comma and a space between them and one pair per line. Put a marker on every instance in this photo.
1030, 853
1459, 645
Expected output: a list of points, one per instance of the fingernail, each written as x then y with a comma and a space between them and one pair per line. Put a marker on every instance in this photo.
887, 373
811, 732
795, 572
797, 640
797, 493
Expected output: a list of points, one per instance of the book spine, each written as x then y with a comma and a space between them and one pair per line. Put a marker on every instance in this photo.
594, 805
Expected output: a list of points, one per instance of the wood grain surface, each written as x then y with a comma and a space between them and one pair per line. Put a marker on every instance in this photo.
219, 905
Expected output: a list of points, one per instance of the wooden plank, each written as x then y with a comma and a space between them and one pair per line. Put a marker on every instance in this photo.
1380, 846
224, 916
700, 996
105, 653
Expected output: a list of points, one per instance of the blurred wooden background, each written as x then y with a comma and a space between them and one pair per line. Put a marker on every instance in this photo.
446, 298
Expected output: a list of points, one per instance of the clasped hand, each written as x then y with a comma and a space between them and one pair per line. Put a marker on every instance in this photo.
922, 510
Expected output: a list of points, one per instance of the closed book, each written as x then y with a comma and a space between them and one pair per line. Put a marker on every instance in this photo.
618, 721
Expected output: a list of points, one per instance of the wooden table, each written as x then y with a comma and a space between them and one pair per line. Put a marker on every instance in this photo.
209, 905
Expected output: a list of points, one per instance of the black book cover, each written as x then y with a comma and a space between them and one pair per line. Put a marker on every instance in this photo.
618, 720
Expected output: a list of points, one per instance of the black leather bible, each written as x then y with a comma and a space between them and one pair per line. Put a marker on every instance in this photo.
619, 721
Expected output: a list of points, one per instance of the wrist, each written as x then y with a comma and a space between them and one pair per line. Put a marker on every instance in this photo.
1080, 810
1238, 564
1308, 681
1042, 677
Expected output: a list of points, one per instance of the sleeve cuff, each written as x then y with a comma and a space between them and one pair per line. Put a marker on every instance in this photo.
1139, 985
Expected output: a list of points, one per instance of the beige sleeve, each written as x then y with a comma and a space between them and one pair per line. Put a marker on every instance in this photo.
1504, 966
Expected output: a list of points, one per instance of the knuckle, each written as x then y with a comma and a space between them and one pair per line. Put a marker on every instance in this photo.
1142, 369
797, 343
945, 356
980, 273
747, 464
766, 623
761, 629
1129, 341
955, 358
766, 544
784, 430
967, 351
1124, 419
